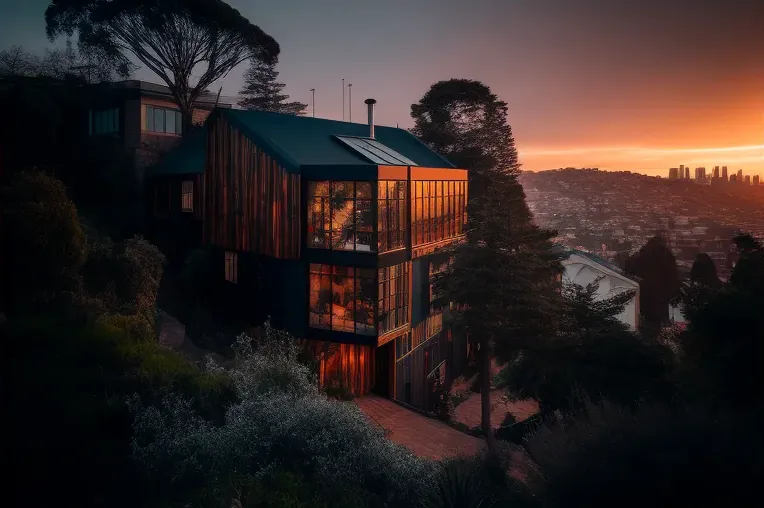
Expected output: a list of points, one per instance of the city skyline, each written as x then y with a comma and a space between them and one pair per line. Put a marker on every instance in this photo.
618, 86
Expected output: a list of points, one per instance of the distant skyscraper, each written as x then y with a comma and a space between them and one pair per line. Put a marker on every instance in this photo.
700, 174
724, 173
748, 179
686, 173
739, 175
673, 173
716, 173
756, 179
733, 178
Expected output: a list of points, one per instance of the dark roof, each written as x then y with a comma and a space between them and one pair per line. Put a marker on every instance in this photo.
190, 157
145, 88
599, 260
306, 141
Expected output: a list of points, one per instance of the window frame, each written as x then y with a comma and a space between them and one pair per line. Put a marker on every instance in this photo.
330, 273
438, 210
393, 294
231, 270
149, 124
325, 231
187, 196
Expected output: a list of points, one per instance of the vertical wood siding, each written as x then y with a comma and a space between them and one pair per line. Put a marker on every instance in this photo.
251, 203
347, 365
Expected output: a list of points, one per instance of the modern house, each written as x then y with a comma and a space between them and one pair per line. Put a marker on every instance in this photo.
334, 230
583, 268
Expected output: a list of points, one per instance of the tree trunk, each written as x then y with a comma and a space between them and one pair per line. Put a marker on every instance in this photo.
485, 395
187, 114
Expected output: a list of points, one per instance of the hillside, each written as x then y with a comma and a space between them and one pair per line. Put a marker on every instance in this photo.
614, 213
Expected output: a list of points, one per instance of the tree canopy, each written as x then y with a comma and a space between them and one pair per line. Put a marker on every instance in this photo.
656, 266
172, 38
263, 93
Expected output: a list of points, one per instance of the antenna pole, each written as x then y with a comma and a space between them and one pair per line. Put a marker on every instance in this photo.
343, 99
350, 102
313, 91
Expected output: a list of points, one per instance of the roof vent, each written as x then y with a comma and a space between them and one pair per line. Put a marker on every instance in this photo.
370, 105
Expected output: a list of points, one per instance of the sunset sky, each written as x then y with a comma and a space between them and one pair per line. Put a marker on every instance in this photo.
642, 85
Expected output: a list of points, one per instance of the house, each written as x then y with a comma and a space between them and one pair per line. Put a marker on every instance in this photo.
140, 117
335, 230
583, 268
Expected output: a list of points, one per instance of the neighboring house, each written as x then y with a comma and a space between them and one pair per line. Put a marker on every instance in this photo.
583, 268
142, 117
335, 230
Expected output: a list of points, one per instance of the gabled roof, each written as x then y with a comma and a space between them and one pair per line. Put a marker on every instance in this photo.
306, 141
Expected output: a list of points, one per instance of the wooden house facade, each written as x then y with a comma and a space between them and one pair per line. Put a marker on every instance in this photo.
334, 231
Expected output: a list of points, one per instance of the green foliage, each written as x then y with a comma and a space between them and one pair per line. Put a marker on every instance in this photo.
68, 391
655, 456
592, 355
723, 344
43, 243
475, 482
154, 32
263, 93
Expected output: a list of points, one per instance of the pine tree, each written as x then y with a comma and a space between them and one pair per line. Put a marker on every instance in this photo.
263, 93
503, 277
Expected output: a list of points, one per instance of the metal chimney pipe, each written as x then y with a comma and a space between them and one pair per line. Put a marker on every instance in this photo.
370, 104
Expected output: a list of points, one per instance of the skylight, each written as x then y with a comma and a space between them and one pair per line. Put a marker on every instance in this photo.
375, 151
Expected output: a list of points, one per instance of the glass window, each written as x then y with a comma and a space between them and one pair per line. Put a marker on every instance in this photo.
340, 216
158, 120
438, 210
231, 267
393, 287
149, 119
170, 121
342, 299
187, 196
392, 219
178, 123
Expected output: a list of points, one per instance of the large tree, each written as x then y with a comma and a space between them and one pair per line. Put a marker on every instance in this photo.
84, 64
172, 38
656, 266
263, 93
592, 356
503, 277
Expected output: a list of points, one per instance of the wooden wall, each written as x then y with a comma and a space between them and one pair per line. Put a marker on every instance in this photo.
348, 365
251, 203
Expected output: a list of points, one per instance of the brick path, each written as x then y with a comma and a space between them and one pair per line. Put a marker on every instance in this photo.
424, 436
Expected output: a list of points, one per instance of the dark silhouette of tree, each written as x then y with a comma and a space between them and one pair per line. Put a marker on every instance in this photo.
657, 455
655, 265
503, 277
263, 93
724, 340
592, 356
85, 64
703, 271
172, 38
43, 244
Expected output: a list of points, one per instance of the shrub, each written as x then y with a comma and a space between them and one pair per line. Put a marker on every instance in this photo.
654, 456
43, 243
282, 421
137, 326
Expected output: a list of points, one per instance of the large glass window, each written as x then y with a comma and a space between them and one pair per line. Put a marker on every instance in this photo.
163, 120
393, 297
342, 299
340, 216
438, 210
392, 215
104, 122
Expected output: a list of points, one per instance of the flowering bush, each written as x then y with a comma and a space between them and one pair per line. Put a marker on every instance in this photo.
282, 422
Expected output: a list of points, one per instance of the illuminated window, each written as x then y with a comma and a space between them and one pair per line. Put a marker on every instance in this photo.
438, 210
393, 297
342, 299
187, 196
340, 216
232, 267
437, 268
391, 222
